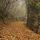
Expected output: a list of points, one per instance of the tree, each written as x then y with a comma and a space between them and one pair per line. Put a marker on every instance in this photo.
9, 9
4, 9
33, 16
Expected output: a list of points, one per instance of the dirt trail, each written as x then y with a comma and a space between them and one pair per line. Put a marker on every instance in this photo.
17, 31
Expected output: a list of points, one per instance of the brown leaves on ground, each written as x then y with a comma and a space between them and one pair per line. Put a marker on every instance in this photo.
17, 31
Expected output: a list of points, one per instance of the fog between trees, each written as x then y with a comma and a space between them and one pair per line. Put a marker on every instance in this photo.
26, 10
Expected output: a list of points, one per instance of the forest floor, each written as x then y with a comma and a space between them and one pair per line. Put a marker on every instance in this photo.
17, 31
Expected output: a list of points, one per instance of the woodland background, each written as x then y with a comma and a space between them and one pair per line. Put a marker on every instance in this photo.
21, 10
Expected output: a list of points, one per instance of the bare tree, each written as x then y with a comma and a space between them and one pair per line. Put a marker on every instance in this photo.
4, 9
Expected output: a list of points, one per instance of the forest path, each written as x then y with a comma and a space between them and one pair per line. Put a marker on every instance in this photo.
17, 31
